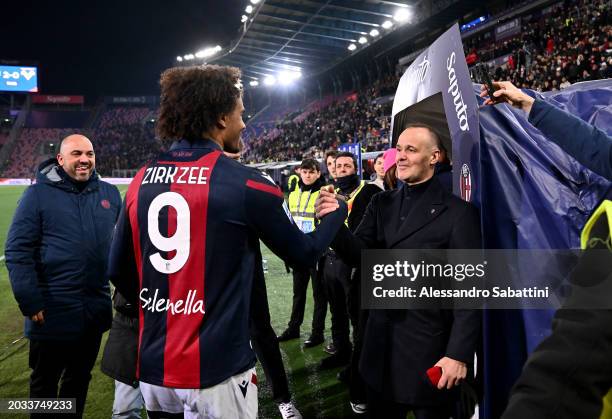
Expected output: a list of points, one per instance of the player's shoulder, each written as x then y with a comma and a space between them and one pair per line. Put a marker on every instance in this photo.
244, 173
260, 182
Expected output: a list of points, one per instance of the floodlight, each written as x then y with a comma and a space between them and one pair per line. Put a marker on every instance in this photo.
402, 15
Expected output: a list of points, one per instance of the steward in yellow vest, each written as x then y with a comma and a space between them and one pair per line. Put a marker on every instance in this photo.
302, 199
347, 182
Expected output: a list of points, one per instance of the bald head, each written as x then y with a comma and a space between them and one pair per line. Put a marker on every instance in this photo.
418, 150
427, 134
74, 140
77, 158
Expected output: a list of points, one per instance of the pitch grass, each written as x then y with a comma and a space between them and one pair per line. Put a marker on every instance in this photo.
317, 394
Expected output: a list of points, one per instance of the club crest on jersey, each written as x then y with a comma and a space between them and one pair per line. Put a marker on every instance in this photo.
105, 204
465, 183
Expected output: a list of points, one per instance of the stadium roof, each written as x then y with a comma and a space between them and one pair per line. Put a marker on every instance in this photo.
308, 36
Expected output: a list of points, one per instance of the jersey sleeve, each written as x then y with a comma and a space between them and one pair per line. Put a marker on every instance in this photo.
268, 215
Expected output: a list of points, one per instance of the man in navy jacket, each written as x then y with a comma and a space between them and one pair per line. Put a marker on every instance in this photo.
56, 255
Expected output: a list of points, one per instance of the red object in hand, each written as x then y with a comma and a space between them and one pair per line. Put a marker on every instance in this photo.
434, 374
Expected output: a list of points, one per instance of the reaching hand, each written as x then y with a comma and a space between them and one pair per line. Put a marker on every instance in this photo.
452, 372
326, 202
508, 93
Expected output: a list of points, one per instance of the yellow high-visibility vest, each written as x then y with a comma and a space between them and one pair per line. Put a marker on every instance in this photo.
302, 208
603, 210
587, 240
351, 199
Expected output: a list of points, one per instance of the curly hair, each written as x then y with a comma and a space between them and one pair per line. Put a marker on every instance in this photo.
194, 98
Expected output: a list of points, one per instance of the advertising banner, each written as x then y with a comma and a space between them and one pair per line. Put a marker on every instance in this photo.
58, 99
437, 90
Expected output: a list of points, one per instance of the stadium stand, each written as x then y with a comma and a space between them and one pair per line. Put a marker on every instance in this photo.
34, 146
327, 123
556, 47
572, 50
124, 139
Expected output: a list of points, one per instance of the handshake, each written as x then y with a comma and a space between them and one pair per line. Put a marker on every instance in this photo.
327, 201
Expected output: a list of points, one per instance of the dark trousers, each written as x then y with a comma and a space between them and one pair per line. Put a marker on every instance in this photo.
301, 277
64, 363
336, 277
265, 344
381, 408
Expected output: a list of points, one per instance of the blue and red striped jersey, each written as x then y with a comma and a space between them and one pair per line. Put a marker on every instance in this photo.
185, 248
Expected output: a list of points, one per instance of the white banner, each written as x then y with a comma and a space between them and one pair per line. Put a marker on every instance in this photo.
9, 181
117, 180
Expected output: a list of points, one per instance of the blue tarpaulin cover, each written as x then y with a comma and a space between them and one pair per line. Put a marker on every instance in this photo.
533, 196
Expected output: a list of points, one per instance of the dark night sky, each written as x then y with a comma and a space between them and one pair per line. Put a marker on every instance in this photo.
111, 47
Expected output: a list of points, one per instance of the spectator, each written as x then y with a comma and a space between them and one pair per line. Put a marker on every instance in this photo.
379, 169
56, 254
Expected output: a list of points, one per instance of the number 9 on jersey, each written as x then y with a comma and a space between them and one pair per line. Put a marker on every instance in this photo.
178, 242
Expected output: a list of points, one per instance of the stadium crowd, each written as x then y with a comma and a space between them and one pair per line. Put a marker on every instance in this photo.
123, 139
355, 120
554, 50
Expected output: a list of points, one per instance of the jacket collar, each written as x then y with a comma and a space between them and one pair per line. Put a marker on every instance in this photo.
426, 209
199, 143
48, 172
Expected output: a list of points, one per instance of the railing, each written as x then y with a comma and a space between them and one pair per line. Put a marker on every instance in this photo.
127, 173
